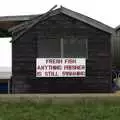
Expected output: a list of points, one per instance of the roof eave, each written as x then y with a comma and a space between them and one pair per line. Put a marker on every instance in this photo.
117, 28
87, 20
80, 17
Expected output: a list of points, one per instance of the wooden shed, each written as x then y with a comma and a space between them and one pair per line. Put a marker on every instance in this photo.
61, 33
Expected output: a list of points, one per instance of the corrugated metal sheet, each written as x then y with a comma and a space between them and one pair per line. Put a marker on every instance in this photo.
5, 73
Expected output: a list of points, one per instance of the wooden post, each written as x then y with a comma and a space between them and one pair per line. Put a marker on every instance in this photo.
62, 47
8, 86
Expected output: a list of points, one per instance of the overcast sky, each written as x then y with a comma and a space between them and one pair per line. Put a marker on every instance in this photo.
106, 11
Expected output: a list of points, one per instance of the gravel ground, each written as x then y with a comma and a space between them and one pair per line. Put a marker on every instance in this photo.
57, 97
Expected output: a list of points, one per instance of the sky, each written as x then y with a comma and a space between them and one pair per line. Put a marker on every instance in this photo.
105, 11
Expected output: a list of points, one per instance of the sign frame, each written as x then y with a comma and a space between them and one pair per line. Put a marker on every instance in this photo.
79, 65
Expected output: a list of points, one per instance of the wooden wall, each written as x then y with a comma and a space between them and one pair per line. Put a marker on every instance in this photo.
24, 53
116, 49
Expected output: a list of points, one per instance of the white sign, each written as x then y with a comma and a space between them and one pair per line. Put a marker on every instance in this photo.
60, 67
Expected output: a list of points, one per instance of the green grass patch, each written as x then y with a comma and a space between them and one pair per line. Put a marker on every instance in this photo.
84, 109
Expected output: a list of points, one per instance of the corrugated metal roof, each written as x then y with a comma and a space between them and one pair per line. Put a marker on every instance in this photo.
16, 18
7, 22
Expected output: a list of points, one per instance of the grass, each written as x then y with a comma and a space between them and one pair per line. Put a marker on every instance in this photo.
83, 109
